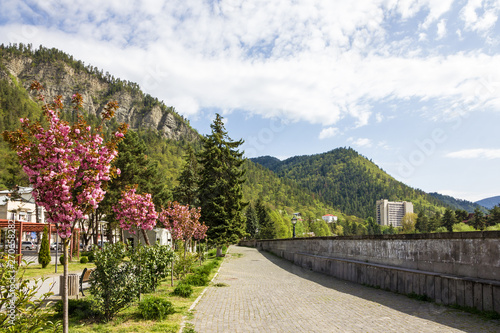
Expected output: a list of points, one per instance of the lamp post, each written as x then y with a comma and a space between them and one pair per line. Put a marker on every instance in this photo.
102, 223
294, 221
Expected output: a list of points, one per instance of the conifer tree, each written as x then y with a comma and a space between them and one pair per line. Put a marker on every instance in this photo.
267, 229
252, 222
220, 187
478, 221
44, 254
186, 191
449, 220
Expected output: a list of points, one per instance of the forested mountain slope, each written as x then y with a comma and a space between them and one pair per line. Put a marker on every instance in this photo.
348, 181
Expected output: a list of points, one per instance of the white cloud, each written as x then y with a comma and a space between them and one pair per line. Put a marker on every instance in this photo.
479, 153
480, 23
441, 29
360, 142
328, 133
313, 61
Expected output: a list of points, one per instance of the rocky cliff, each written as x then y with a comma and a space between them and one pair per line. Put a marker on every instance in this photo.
60, 76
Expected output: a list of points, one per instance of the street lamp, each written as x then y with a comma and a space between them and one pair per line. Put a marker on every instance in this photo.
294, 221
102, 223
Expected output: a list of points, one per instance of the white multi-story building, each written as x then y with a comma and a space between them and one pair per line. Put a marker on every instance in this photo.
329, 218
391, 213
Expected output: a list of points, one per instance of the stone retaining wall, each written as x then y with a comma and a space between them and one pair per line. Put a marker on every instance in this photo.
449, 268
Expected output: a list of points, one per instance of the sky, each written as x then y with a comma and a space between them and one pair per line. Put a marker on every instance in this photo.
413, 85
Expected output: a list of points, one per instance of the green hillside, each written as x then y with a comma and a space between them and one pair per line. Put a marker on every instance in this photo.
350, 182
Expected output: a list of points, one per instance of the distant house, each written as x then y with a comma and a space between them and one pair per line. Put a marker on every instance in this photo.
329, 218
157, 235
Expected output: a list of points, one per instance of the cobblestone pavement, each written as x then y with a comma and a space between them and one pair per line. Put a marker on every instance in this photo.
264, 293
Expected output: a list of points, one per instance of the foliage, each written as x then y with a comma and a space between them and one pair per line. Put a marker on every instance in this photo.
344, 179
151, 264
187, 190
113, 283
252, 223
462, 227
20, 294
61, 259
89, 255
196, 279
220, 188
155, 308
84, 260
183, 290
267, 229
44, 257
478, 221
78, 308
183, 222
448, 220
183, 264
408, 222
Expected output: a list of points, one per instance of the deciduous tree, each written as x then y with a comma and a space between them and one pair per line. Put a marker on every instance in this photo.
67, 165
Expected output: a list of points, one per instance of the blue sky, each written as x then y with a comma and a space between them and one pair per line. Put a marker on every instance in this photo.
412, 85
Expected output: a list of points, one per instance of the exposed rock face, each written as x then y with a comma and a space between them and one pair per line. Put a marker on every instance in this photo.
59, 78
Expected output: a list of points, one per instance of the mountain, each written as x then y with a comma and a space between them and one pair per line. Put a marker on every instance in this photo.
163, 130
489, 202
458, 203
62, 75
348, 181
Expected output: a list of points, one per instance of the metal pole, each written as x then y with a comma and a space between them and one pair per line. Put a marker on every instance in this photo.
294, 231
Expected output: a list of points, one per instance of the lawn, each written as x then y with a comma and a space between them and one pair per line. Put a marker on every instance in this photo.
35, 270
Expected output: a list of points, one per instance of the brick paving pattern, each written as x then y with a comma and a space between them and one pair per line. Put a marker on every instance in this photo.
265, 293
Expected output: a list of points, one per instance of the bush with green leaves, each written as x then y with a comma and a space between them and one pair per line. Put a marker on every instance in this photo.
78, 308
89, 254
183, 290
113, 283
184, 263
152, 264
44, 254
196, 280
24, 310
155, 308
84, 260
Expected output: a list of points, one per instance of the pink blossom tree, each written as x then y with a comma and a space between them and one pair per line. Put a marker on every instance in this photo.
136, 211
68, 166
183, 223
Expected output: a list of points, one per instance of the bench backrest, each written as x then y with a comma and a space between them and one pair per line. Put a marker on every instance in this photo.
86, 274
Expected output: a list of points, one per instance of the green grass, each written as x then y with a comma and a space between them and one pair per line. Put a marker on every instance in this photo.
35, 270
129, 320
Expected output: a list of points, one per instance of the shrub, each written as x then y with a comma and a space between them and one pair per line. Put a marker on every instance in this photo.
89, 254
152, 264
78, 308
113, 282
196, 280
84, 260
31, 315
155, 308
183, 264
44, 254
183, 290
61, 259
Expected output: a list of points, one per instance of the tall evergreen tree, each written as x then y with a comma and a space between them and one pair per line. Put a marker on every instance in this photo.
44, 253
478, 221
220, 188
267, 229
252, 221
448, 219
422, 224
186, 192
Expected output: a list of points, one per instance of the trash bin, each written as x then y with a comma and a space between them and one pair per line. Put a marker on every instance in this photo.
72, 284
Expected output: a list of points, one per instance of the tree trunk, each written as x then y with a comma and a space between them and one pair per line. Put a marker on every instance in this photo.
65, 286
219, 251
146, 239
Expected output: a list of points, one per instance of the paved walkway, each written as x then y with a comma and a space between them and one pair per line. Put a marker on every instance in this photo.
267, 294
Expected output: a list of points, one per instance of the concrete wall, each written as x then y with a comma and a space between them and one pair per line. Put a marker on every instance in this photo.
449, 268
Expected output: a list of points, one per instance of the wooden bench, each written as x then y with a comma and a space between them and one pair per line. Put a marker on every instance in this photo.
85, 277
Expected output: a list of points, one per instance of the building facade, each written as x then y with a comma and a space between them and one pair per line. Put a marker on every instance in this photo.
391, 213
329, 218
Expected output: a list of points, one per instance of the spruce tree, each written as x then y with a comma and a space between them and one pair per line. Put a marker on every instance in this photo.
449, 219
44, 254
187, 190
252, 222
220, 187
267, 229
